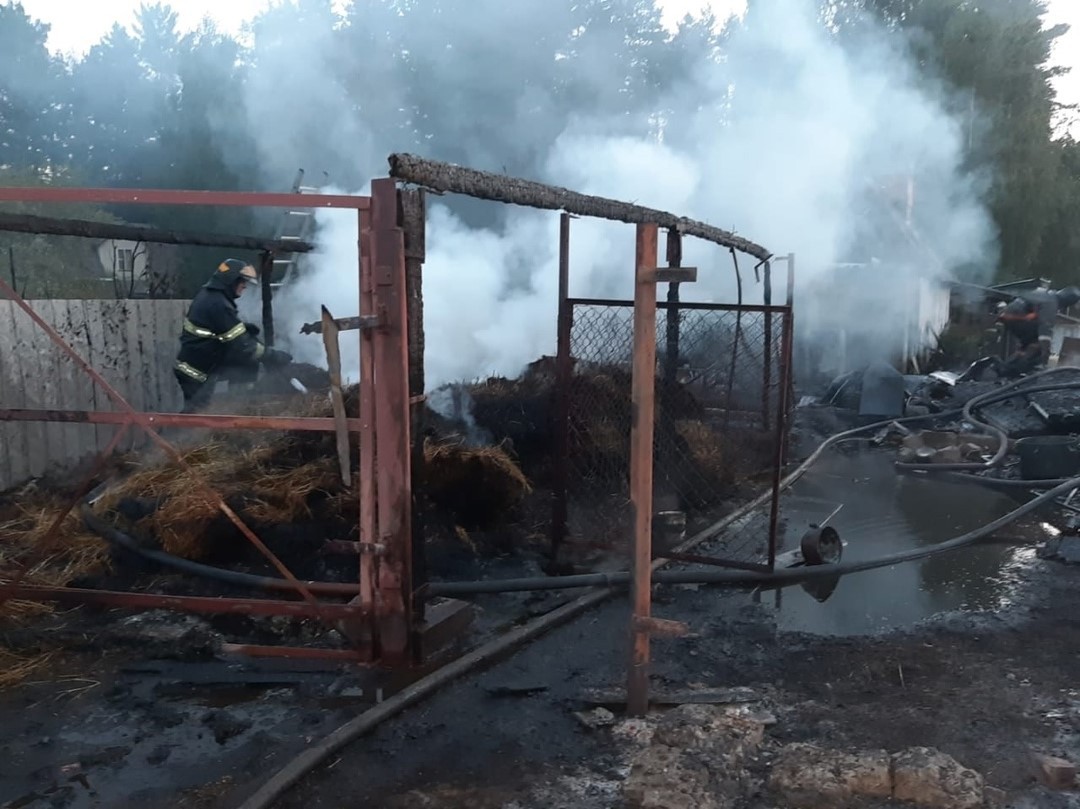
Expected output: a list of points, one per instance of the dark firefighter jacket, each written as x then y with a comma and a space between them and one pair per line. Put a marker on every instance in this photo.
1031, 316
214, 338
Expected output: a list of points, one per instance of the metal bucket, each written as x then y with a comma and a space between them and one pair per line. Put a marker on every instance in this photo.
669, 527
1048, 457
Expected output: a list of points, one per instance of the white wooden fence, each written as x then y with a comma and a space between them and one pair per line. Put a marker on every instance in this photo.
132, 344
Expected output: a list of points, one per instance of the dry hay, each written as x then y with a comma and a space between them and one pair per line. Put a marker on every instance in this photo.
709, 451
477, 486
255, 481
74, 553
15, 667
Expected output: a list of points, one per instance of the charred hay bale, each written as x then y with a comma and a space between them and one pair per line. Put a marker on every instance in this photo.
707, 469
477, 487
258, 483
518, 415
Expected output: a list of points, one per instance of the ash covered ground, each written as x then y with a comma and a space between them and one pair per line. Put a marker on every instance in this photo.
969, 654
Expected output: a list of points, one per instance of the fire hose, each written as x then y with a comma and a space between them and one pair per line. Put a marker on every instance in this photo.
296, 769
786, 577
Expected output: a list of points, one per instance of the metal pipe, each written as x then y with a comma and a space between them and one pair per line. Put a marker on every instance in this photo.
672, 331
683, 305
781, 435
190, 420
734, 341
197, 604
766, 380
154, 196
266, 277
785, 577
563, 380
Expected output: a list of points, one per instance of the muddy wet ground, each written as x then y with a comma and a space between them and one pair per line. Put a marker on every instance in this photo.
986, 688
972, 653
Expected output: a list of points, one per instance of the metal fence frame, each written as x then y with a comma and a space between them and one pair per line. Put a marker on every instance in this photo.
383, 617
379, 619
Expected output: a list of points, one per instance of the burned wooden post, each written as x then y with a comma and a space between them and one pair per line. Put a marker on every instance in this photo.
450, 178
337, 395
412, 217
563, 381
672, 349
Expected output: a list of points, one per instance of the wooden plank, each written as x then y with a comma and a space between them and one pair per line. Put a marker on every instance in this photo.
32, 355
15, 469
117, 366
102, 361
6, 432
84, 387
337, 396
454, 179
147, 347
135, 390
57, 438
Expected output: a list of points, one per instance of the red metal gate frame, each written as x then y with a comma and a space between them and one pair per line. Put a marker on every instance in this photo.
379, 618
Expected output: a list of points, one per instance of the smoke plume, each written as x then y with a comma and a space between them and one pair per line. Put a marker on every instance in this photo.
798, 139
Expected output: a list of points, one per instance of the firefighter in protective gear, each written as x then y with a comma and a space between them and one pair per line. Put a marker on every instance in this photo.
215, 344
1030, 320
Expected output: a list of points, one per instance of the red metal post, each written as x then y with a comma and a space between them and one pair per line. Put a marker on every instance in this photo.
643, 406
563, 381
368, 531
393, 486
204, 604
191, 420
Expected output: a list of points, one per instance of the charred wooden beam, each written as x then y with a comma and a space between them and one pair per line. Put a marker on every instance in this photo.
450, 178
49, 226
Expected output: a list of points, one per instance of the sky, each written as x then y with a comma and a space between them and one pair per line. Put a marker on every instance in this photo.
78, 24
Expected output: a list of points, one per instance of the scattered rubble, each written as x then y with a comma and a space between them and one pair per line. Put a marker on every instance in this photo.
934, 780
811, 777
697, 758
1053, 772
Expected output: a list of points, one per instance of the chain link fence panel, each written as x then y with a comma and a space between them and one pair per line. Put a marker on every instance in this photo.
718, 377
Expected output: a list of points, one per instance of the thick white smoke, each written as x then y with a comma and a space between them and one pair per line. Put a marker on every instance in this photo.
789, 140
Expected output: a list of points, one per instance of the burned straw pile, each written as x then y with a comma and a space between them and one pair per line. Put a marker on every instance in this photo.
70, 556
693, 456
291, 481
74, 553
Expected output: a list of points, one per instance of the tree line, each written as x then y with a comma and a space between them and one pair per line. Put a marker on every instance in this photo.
156, 107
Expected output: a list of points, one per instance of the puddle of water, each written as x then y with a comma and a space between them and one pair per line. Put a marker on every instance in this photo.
885, 513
